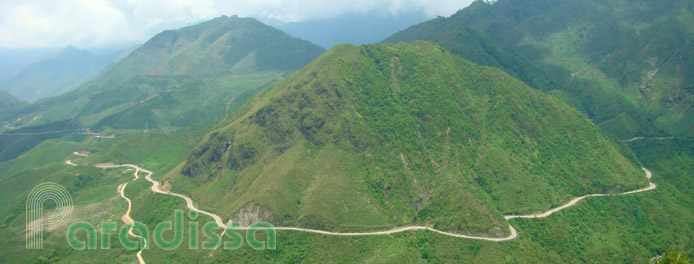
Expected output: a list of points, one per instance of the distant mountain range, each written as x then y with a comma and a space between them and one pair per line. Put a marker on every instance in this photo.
60, 73
177, 79
13, 60
350, 28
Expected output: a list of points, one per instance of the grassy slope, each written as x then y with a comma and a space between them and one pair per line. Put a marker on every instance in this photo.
627, 229
321, 150
93, 190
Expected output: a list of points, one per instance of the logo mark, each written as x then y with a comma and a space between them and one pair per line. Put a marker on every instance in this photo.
35, 218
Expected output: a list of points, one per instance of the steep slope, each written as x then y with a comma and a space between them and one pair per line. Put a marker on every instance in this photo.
57, 74
8, 105
475, 46
622, 54
192, 75
378, 136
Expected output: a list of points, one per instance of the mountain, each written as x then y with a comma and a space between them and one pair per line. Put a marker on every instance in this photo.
57, 74
627, 64
354, 28
8, 104
475, 46
8, 101
382, 136
180, 77
13, 60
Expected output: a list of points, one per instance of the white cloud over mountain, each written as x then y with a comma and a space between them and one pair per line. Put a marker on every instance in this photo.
90, 23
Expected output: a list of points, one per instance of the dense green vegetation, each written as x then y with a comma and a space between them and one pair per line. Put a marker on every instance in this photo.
605, 230
612, 57
379, 136
594, 59
475, 46
627, 229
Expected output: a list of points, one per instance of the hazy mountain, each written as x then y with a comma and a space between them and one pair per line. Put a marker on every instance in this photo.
57, 74
179, 78
8, 104
383, 135
13, 60
8, 101
616, 55
351, 28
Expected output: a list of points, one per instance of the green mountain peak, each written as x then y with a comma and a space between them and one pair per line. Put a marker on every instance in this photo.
378, 136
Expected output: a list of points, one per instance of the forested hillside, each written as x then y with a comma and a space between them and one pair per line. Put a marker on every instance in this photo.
625, 64
384, 135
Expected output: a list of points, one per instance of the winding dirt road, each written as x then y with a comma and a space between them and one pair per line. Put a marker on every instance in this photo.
653, 138
126, 216
191, 206
573, 202
513, 234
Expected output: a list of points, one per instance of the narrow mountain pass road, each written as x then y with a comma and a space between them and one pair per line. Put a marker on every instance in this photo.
218, 220
126, 216
513, 234
573, 202
653, 138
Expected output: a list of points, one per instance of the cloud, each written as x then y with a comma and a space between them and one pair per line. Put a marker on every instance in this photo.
91, 23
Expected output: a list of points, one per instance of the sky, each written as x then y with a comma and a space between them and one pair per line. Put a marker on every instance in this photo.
96, 23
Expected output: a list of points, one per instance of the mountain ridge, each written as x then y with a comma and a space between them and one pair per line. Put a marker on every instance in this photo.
174, 58
57, 74
188, 77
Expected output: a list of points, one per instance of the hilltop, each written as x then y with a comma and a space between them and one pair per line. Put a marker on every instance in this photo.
386, 135
178, 77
